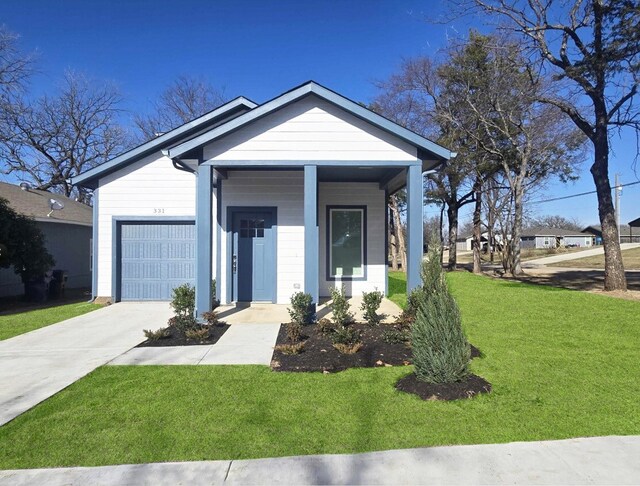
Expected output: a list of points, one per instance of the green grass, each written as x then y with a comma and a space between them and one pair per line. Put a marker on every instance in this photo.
398, 288
13, 324
562, 363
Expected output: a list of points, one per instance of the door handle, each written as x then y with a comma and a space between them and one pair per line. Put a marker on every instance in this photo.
234, 263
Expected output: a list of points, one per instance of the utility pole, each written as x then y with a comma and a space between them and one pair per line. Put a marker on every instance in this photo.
618, 190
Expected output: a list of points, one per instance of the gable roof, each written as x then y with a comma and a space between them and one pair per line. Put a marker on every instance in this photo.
635, 223
546, 231
234, 107
426, 148
35, 204
596, 229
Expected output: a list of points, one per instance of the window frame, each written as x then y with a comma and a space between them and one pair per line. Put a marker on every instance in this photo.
328, 252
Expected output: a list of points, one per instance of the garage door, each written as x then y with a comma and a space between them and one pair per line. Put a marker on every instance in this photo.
155, 258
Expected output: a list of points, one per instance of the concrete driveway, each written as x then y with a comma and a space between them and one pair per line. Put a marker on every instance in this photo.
40, 363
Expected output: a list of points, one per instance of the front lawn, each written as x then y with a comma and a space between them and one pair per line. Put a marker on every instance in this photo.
630, 258
18, 323
562, 364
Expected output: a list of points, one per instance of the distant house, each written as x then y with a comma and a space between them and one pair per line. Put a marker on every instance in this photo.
542, 237
67, 232
464, 242
626, 232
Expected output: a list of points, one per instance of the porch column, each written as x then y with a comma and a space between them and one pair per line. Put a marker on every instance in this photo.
204, 198
311, 254
414, 226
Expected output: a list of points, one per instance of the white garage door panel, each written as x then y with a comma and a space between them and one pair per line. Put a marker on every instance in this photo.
155, 258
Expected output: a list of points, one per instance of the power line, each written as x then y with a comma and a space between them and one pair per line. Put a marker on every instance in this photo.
579, 194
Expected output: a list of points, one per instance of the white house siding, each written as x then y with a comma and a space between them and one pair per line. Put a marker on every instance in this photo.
355, 194
310, 129
149, 188
581, 241
285, 191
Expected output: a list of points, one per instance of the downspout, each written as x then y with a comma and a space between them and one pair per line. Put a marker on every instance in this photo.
178, 164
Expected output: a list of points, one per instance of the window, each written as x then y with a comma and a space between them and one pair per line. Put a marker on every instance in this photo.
346, 242
252, 228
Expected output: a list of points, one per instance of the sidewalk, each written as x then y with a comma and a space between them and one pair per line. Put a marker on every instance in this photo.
598, 460
573, 256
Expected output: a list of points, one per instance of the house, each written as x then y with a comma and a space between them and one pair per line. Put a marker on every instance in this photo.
67, 232
268, 199
626, 233
540, 237
465, 242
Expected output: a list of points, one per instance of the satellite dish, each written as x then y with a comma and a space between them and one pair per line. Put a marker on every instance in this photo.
55, 205
24, 186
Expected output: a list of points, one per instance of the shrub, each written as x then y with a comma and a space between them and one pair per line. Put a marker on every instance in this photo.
393, 335
183, 323
340, 307
184, 300
211, 317
325, 326
214, 302
346, 335
441, 353
348, 348
301, 310
197, 334
370, 304
294, 331
295, 348
158, 334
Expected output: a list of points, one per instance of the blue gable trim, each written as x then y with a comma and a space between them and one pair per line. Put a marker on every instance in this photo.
89, 177
429, 149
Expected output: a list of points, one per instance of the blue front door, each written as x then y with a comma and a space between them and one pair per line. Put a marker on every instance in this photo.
253, 257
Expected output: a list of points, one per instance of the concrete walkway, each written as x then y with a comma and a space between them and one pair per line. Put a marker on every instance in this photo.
241, 344
40, 363
574, 255
598, 460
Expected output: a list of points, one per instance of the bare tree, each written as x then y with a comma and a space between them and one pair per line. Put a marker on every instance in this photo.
57, 137
593, 49
15, 67
530, 140
555, 221
183, 100
412, 99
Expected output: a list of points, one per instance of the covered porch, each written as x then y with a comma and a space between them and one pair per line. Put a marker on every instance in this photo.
303, 219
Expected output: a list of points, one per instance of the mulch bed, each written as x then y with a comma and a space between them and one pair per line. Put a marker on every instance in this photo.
177, 338
320, 355
468, 388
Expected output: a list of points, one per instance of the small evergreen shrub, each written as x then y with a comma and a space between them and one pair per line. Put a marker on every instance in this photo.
348, 348
396, 336
325, 326
301, 310
158, 334
211, 317
197, 334
183, 323
370, 304
441, 352
295, 348
214, 302
340, 307
346, 335
294, 331
184, 300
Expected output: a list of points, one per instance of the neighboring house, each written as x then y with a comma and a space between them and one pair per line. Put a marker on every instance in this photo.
67, 232
553, 238
626, 233
464, 242
267, 199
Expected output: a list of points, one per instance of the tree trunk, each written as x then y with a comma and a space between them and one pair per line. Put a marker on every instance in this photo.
518, 196
397, 224
476, 242
452, 217
614, 277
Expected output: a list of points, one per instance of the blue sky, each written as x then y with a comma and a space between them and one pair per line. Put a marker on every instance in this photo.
258, 49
